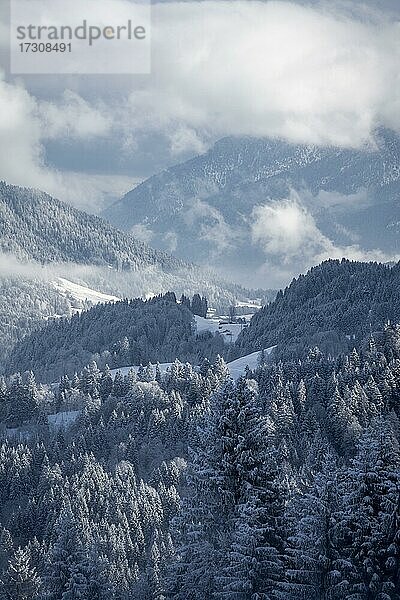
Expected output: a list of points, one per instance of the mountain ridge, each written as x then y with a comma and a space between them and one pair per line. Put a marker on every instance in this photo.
37, 226
43, 239
335, 306
205, 205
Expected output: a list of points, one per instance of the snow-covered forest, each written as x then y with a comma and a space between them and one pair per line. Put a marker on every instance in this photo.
129, 332
44, 241
186, 485
200, 300
200, 478
334, 306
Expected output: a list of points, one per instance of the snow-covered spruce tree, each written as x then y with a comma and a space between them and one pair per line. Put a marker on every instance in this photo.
6, 547
20, 580
208, 505
374, 396
342, 424
310, 551
67, 569
231, 522
252, 563
367, 530
392, 341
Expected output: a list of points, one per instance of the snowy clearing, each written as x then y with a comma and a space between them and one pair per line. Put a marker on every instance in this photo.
249, 304
82, 293
229, 332
63, 419
237, 367
18, 433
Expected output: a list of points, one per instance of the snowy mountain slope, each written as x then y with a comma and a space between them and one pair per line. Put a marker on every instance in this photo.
238, 367
203, 208
35, 226
81, 292
43, 240
39, 232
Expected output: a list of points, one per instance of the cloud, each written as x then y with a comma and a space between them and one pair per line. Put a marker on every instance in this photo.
286, 229
91, 192
272, 69
184, 139
289, 237
22, 159
315, 74
212, 226
25, 123
142, 232
73, 117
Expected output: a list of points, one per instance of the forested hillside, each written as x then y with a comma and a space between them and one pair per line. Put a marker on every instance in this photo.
186, 486
35, 226
24, 304
208, 204
200, 382
333, 300
334, 306
130, 332
43, 239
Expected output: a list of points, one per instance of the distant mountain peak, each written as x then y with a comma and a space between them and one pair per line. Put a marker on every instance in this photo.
202, 209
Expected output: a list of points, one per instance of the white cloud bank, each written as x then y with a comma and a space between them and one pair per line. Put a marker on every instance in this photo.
273, 69
292, 243
288, 234
25, 123
287, 230
74, 118
224, 67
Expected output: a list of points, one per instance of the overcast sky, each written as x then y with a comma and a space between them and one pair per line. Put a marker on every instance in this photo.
324, 73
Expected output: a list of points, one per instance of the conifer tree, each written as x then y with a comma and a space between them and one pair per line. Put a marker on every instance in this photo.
20, 580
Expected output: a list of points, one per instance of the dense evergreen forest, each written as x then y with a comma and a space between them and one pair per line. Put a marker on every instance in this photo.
43, 239
119, 334
35, 226
334, 306
187, 486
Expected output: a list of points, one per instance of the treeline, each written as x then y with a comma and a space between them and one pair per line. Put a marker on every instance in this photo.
187, 486
130, 332
334, 306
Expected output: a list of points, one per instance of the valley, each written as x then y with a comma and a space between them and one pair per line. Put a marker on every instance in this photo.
162, 428
249, 207
200, 301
